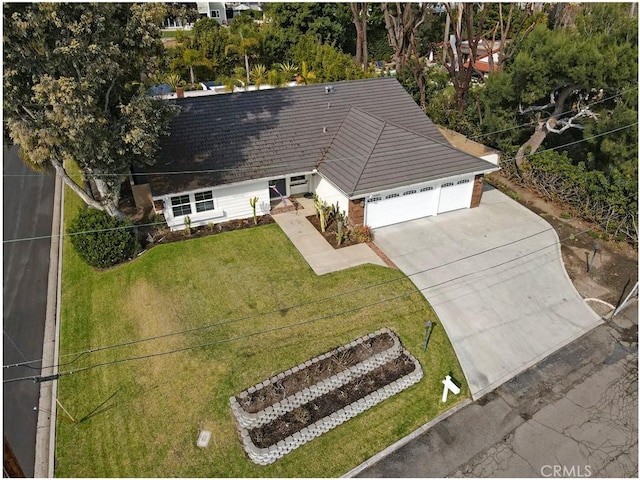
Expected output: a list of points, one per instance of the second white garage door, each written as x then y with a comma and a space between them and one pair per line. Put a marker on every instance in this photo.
455, 195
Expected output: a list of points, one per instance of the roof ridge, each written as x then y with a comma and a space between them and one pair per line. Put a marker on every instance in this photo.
393, 124
373, 148
327, 149
437, 142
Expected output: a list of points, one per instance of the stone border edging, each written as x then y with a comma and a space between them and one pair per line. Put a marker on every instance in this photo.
287, 404
266, 456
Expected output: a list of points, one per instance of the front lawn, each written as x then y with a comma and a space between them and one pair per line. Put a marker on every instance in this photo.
141, 418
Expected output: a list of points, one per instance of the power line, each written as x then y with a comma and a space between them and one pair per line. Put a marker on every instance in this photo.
162, 223
287, 164
274, 329
560, 114
354, 309
513, 159
78, 355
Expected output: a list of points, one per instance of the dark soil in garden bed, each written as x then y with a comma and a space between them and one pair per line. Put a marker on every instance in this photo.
323, 406
165, 235
331, 232
306, 377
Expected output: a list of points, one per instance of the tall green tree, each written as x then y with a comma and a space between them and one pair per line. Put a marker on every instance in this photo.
326, 21
243, 41
73, 76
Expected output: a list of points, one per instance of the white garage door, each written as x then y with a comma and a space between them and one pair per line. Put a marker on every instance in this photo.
455, 195
401, 206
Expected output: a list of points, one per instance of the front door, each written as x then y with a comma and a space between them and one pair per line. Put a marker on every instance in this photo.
277, 188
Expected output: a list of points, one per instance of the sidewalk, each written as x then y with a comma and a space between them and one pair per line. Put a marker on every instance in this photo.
46, 427
321, 256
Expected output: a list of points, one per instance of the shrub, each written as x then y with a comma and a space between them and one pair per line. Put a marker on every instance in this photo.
100, 240
362, 234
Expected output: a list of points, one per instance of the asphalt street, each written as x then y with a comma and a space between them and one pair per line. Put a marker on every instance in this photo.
574, 414
27, 212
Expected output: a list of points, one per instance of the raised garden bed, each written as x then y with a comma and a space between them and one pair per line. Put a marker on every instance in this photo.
321, 393
327, 365
323, 406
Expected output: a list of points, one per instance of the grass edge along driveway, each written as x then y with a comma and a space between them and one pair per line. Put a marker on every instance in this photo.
141, 418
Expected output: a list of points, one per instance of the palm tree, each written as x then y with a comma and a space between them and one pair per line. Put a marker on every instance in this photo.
191, 57
306, 76
195, 58
258, 75
242, 45
173, 80
230, 83
289, 70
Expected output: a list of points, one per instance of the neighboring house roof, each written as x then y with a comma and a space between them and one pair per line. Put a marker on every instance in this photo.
482, 64
365, 135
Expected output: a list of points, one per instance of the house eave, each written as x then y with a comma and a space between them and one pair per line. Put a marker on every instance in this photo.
387, 188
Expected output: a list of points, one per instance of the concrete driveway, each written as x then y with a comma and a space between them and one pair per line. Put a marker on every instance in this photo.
495, 277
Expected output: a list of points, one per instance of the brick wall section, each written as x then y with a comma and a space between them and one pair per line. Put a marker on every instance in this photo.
476, 196
356, 212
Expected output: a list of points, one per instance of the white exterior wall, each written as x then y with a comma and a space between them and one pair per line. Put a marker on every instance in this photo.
330, 194
231, 202
492, 157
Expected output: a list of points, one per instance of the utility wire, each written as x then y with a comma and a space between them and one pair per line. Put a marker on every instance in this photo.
78, 355
287, 164
162, 223
343, 312
560, 114
304, 322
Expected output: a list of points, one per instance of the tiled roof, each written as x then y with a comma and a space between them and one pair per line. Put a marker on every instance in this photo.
364, 135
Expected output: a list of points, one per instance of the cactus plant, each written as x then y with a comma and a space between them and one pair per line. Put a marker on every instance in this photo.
253, 202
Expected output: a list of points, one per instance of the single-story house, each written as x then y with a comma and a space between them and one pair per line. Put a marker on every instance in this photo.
363, 144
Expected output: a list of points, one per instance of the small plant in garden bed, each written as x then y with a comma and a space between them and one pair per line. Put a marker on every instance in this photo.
289, 385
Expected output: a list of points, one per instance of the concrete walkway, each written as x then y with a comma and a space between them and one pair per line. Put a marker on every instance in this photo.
321, 256
495, 277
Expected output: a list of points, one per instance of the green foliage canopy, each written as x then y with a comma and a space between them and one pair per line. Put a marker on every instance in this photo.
73, 89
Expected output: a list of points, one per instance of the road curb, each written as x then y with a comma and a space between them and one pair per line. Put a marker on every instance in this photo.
45, 430
403, 441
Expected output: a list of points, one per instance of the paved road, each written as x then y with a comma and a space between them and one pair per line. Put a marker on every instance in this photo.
495, 277
27, 212
575, 414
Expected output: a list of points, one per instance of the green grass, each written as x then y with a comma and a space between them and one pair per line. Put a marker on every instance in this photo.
148, 412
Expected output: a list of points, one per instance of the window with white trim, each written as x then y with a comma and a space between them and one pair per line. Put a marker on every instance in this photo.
204, 201
215, 13
448, 184
180, 205
464, 180
298, 180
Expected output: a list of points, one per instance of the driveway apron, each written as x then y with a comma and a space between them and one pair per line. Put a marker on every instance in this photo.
494, 276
